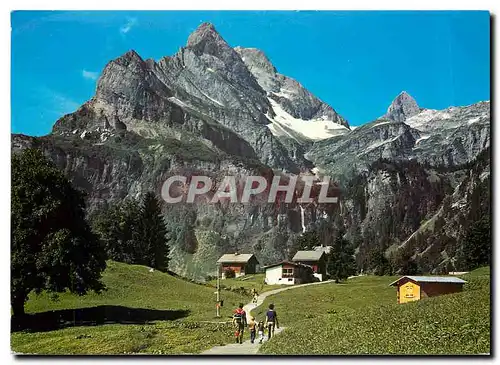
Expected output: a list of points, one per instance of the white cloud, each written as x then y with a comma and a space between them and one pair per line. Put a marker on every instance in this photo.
90, 75
54, 102
128, 25
61, 104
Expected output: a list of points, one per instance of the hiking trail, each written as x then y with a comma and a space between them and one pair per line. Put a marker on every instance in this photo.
248, 348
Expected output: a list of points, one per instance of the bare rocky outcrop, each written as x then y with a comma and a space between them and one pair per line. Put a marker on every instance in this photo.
216, 110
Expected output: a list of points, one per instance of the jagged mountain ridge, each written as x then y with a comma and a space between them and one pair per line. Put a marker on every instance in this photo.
216, 110
200, 111
205, 85
449, 137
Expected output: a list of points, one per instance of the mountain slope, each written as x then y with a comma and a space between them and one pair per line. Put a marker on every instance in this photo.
449, 137
293, 105
198, 112
214, 110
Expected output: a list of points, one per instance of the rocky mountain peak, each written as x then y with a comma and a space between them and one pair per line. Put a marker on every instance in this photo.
206, 27
128, 58
207, 50
205, 38
255, 59
402, 107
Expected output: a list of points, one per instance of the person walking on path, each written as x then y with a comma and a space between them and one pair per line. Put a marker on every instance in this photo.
255, 296
252, 327
260, 328
239, 322
271, 321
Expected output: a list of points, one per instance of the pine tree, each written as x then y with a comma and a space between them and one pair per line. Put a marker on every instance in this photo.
379, 263
154, 233
341, 262
476, 250
118, 228
308, 240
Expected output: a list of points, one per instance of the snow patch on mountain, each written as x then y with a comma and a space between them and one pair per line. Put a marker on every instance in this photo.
177, 102
421, 139
377, 144
473, 120
278, 131
215, 101
427, 119
382, 122
284, 93
314, 129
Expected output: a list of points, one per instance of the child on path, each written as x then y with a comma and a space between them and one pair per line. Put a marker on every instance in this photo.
255, 296
260, 329
252, 327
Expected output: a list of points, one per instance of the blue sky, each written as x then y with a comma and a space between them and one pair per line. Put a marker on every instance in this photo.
355, 61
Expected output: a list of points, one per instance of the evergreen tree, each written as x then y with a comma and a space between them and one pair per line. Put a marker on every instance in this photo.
341, 262
403, 262
410, 267
379, 263
118, 227
154, 233
134, 232
476, 250
308, 240
52, 246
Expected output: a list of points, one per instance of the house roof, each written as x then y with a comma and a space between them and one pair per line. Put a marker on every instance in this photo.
233, 257
308, 255
431, 279
286, 263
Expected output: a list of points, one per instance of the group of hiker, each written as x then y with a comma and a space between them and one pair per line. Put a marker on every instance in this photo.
240, 322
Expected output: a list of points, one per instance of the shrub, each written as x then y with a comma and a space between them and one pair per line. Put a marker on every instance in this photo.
229, 273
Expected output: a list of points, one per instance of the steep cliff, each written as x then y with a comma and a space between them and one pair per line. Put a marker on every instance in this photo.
214, 110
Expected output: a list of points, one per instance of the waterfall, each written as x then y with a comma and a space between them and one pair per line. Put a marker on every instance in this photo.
302, 218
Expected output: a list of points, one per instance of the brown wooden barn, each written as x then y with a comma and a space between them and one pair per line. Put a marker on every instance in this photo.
240, 263
314, 258
410, 288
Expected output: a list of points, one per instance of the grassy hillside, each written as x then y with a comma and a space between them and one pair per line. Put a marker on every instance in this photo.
362, 317
247, 282
141, 312
316, 301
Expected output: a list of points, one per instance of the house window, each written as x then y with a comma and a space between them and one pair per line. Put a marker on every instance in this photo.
287, 273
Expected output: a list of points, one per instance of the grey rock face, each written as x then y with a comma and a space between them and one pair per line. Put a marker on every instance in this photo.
200, 111
349, 154
403, 107
291, 95
211, 109
447, 137
452, 136
205, 42
288, 96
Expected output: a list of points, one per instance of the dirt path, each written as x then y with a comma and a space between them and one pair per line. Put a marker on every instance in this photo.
247, 348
